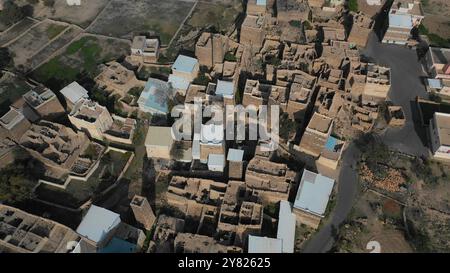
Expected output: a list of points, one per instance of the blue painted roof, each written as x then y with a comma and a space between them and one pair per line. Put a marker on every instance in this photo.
97, 223
261, 2
331, 143
400, 20
235, 155
313, 193
435, 83
178, 82
184, 64
156, 95
225, 88
117, 245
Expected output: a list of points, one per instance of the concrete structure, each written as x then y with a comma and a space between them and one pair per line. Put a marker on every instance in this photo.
438, 63
403, 16
440, 136
269, 180
15, 124
21, 232
235, 164
316, 134
186, 67
312, 198
286, 227
91, 117
257, 244
103, 232
378, 84
396, 116
158, 142
44, 102
211, 48
142, 211
155, 96
252, 31
145, 50
73, 93
211, 141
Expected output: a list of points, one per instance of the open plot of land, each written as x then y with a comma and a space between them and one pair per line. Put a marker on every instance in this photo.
78, 191
437, 17
34, 40
16, 30
81, 15
125, 18
81, 56
374, 218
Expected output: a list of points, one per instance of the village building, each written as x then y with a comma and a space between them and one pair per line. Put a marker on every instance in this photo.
73, 93
235, 159
403, 16
91, 117
145, 50
378, 84
438, 63
440, 136
184, 70
292, 10
361, 29
268, 180
300, 96
14, 124
440, 87
395, 116
211, 48
257, 244
44, 102
21, 232
286, 227
142, 212
55, 145
155, 97
316, 135
312, 198
116, 78
330, 156
195, 243
103, 231
252, 32
158, 142
166, 230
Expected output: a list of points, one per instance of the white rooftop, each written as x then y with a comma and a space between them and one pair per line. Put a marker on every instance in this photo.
235, 155
257, 244
97, 223
74, 92
313, 193
286, 226
184, 64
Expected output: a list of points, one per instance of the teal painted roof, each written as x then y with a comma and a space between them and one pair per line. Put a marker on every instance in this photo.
117, 245
184, 64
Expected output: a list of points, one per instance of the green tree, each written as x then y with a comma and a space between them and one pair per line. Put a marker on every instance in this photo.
5, 58
11, 13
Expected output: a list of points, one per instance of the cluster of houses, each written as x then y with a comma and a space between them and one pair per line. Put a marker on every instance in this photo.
313, 73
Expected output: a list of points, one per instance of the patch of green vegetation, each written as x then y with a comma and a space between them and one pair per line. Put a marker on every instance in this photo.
272, 210
56, 69
229, 57
295, 23
374, 153
54, 30
219, 17
435, 39
201, 79
353, 5
18, 180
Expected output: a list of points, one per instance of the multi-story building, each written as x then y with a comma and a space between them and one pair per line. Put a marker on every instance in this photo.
91, 117
403, 16
440, 136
